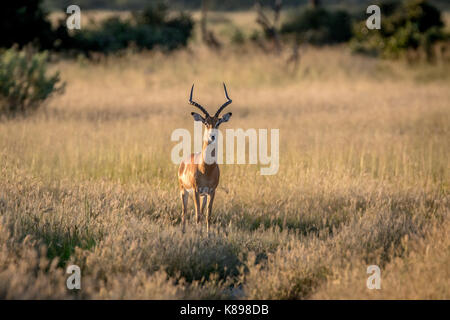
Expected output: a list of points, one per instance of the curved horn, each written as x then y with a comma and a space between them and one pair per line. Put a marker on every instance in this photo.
196, 104
226, 103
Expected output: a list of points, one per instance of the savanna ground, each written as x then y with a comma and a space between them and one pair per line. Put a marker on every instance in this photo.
363, 180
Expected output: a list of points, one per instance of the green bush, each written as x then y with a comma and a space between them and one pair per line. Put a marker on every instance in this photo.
147, 29
319, 26
238, 37
24, 83
411, 25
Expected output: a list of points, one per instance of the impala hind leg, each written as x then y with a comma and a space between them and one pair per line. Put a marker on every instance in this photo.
184, 195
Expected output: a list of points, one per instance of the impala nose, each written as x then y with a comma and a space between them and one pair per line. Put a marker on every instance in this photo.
213, 138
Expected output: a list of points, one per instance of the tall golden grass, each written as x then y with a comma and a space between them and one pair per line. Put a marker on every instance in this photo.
363, 179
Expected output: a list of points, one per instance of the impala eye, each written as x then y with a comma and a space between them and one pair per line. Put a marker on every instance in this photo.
213, 138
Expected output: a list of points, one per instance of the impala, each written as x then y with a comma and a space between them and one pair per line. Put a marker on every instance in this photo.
198, 174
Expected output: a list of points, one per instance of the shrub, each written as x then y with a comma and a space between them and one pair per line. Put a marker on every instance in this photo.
319, 26
238, 37
24, 83
147, 29
411, 25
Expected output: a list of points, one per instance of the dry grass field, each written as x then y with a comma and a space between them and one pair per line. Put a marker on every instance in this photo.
363, 180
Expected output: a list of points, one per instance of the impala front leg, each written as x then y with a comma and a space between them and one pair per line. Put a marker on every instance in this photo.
197, 205
184, 202
203, 202
209, 211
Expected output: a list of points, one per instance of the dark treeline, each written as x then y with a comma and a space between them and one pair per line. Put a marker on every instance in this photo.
214, 4
407, 25
176, 4
26, 22
188, 4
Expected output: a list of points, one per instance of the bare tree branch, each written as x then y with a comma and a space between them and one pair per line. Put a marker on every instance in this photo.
270, 28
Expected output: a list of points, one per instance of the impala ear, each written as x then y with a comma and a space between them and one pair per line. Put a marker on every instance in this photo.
224, 118
198, 117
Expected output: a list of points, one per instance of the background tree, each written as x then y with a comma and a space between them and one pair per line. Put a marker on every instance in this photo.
208, 36
25, 21
270, 26
410, 26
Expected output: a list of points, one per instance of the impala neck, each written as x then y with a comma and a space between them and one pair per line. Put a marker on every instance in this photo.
203, 166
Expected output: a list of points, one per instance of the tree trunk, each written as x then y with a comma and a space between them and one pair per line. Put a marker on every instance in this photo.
203, 20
